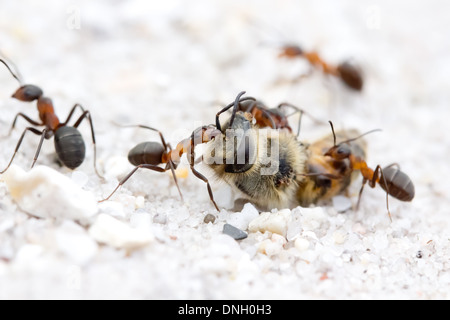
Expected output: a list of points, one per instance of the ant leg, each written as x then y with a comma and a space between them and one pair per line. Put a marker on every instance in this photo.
77, 105
202, 177
31, 121
172, 169
301, 111
379, 173
144, 166
198, 174
393, 164
303, 76
360, 194
35, 131
38, 150
87, 114
163, 141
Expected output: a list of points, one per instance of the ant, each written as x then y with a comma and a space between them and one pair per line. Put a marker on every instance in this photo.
69, 144
346, 71
395, 182
274, 118
149, 155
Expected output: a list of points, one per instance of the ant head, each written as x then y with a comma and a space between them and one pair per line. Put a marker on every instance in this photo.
339, 152
291, 51
343, 149
28, 93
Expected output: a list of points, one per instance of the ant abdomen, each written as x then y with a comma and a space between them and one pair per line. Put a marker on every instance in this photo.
397, 184
351, 75
69, 146
146, 153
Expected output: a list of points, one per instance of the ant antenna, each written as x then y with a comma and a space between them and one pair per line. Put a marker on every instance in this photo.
13, 74
235, 108
332, 130
353, 139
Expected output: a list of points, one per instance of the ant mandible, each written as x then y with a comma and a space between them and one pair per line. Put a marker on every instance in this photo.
346, 71
395, 182
69, 143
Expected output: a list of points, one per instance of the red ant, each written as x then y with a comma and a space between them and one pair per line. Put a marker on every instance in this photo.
149, 155
395, 182
347, 72
69, 144
274, 118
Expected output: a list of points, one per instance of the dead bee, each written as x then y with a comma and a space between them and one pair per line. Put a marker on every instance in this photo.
263, 164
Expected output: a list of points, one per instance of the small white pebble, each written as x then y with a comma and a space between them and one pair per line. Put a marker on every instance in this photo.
139, 202
339, 236
242, 219
301, 244
46, 193
276, 222
115, 233
272, 246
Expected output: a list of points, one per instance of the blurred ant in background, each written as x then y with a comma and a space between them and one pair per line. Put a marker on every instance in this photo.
69, 143
347, 72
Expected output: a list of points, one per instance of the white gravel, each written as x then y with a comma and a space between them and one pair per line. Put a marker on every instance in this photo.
171, 64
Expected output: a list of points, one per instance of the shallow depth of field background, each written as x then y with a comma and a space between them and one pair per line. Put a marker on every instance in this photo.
172, 65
